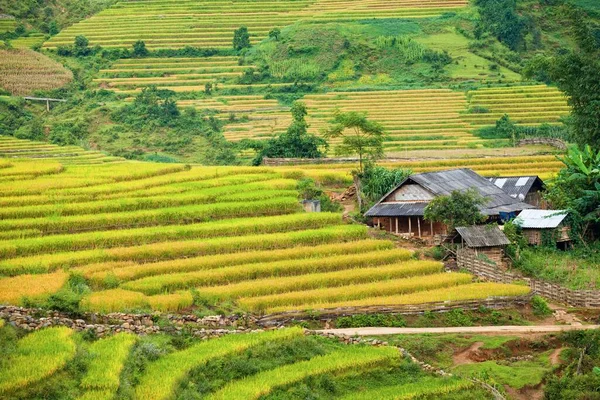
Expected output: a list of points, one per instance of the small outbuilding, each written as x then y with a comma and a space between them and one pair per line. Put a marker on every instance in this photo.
529, 189
541, 226
481, 242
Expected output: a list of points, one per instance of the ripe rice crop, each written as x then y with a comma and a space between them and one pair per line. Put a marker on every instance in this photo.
114, 300
107, 360
164, 24
261, 384
473, 291
171, 250
24, 71
143, 203
268, 286
125, 271
357, 291
161, 377
426, 386
189, 214
13, 290
163, 283
139, 236
37, 356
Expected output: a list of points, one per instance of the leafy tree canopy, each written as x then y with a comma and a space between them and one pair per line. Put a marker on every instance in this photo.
296, 142
241, 38
577, 73
458, 209
500, 18
359, 135
377, 181
577, 189
139, 49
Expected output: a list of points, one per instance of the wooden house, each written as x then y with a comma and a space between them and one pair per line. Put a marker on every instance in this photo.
481, 243
541, 225
401, 210
528, 189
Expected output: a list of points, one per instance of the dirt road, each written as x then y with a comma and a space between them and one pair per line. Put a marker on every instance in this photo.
500, 330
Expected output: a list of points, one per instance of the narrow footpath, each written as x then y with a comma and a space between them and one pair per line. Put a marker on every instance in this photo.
499, 330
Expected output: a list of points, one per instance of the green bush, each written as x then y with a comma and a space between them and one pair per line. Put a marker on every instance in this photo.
365, 320
540, 306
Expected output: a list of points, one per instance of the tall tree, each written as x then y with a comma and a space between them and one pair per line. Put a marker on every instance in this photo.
296, 142
577, 73
500, 18
359, 136
241, 38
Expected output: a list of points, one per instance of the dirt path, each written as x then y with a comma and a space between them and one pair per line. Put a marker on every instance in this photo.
465, 356
555, 356
500, 330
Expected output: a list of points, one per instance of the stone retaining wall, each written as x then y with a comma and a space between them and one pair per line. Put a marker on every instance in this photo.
445, 306
141, 324
559, 144
552, 291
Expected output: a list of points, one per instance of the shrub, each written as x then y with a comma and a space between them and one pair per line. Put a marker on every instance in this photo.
540, 306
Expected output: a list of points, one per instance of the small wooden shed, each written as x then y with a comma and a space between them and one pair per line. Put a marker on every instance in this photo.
482, 242
541, 225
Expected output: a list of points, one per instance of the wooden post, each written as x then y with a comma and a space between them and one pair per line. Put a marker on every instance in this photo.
409, 225
419, 225
48, 105
396, 225
391, 225
378, 223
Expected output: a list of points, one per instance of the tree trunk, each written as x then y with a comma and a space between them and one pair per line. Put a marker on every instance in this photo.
358, 187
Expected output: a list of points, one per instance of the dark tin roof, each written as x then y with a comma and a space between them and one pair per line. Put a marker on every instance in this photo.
443, 183
516, 187
483, 236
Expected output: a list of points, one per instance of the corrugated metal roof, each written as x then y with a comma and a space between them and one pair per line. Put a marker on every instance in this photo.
397, 209
540, 219
483, 236
516, 187
443, 183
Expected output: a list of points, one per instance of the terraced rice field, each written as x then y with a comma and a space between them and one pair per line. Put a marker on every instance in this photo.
11, 148
413, 119
148, 236
526, 105
246, 117
177, 74
242, 366
27, 42
23, 71
167, 24
7, 25
545, 166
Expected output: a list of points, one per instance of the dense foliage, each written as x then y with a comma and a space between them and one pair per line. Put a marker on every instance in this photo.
577, 189
500, 18
577, 73
296, 142
457, 209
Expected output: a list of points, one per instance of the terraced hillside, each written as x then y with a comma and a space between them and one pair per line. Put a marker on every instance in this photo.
247, 366
12, 148
413, 119
180, 75
168, 24
24, 71
165, 236
7, 24
526, 105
